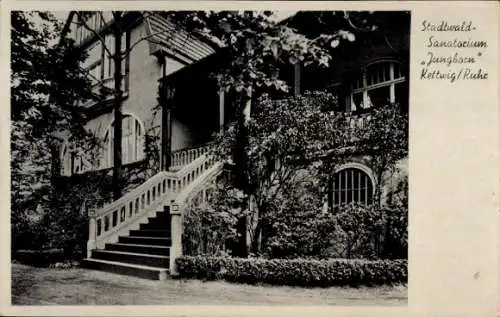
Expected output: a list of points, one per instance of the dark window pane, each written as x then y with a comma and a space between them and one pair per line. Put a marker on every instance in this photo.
356, 195
402, 96
379, 96
362, 196
349, 178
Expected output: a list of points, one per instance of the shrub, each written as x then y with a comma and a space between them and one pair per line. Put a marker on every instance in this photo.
296, 272
208, 228
60, 221
295, 225
41, 258
396, 242
28, 232
357, 231
299, 228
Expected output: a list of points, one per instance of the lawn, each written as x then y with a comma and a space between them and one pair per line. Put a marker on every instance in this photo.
76, 286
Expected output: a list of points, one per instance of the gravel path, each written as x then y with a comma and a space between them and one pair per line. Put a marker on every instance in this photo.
76, 286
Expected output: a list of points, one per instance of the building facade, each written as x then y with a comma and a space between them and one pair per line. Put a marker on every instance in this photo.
160, 49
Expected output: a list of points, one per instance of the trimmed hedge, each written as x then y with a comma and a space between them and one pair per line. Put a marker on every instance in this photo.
40, 258
297, 272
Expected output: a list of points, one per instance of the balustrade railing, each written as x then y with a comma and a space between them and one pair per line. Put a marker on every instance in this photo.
358, 120
185, 156
108, 222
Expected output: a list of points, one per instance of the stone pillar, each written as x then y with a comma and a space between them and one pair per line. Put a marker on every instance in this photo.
176, 234
392, 88
166, 101
91, 244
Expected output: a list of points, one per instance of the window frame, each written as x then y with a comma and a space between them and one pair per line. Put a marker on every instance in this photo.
92, 67
106, 61
364, 88
138, 136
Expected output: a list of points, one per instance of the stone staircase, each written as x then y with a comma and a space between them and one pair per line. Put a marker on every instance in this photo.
143, 252
140, 243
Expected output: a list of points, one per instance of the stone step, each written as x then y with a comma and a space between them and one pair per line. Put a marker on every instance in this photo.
163, 214
155, 225
132, 258
150, 233
166, 242
163, 219
138, 248
143, 271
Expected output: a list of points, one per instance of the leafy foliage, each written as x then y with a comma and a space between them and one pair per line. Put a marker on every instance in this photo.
384, 137
257, 46
299, 272
47, 85
396, 238
210, 228
357, 232
293, 147
298, 227
282, 135
295, 223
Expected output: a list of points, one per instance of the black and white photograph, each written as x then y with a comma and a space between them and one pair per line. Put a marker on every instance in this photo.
209, 157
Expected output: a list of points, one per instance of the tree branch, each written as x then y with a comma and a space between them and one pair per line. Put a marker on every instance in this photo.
101, 39
346, 16
144, 38
388, 43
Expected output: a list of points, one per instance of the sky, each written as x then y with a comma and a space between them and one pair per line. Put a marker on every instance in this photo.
61, 15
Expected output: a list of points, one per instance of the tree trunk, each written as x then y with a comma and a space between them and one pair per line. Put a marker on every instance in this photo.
118, 116
257, 236
241, 249
55, 164
378, 190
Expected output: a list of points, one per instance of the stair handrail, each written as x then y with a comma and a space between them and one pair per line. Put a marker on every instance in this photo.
185, 197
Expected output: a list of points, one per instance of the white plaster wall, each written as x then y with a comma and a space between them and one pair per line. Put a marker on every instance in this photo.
144, 74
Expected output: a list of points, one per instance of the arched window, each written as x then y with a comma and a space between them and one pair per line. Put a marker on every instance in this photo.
351, 185
132, 141
380, 83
